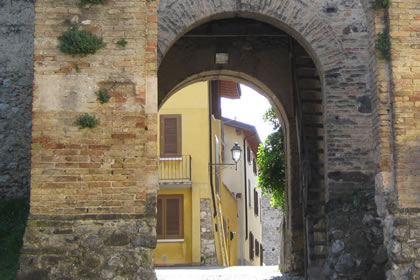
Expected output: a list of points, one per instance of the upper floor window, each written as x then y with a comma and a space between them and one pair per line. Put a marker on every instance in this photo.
256, 202
254, 166
170, 135
248, 154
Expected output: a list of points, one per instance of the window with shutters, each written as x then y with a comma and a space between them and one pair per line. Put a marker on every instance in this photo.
257, 248
170, 217
256, 202
170, 135
248, 154
251, 246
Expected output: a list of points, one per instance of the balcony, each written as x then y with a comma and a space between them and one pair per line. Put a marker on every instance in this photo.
175, 171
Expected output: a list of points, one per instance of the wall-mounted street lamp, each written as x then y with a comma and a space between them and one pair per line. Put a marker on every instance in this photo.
236, 156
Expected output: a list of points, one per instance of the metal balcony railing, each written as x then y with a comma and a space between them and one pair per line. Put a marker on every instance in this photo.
175, 169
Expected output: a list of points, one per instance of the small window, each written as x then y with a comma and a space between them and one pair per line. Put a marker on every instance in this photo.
256, 202
248, 154
170, 135
251, 246
257, 248
254, 166
170, 217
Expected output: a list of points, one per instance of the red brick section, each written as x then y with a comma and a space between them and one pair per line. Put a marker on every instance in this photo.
405, 40
109, 169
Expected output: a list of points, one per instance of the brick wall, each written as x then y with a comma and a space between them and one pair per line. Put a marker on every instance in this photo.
111, 168
404, 20
398, 183
106, 175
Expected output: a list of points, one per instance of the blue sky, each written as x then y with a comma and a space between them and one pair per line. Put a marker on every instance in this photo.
248, 109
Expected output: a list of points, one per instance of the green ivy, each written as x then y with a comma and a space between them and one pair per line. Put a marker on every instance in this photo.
380, 4
93, 2
103, 96
87, 121
383, 44
122, 42
77, 68
79, 42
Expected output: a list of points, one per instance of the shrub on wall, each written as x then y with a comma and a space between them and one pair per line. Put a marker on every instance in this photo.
82, 42
87, 121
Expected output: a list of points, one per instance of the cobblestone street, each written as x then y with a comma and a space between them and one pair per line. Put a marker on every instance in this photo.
223, 273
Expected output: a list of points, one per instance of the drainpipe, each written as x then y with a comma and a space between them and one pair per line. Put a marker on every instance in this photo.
211, 150
245, 186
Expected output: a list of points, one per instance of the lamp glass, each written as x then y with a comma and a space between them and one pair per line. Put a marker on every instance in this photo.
236, 152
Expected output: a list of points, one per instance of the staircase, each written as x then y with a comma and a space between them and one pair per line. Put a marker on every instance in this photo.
308, 87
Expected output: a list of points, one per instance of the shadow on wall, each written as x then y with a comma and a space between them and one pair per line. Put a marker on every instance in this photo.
13, 216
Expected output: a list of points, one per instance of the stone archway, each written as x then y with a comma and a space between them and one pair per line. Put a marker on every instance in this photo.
94, 191
340, 113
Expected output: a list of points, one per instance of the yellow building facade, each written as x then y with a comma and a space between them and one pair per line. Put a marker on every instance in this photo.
197, 212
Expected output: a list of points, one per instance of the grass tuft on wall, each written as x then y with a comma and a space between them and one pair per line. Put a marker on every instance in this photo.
103, 96
383, 45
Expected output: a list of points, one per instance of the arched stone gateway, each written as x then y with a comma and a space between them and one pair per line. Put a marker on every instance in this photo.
292, 48
93, 192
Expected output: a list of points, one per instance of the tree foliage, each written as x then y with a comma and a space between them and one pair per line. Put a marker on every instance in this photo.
271, 161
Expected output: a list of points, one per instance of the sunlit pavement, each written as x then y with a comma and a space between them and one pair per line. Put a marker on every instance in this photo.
228, 273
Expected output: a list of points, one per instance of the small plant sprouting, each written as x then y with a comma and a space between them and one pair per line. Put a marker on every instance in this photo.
77, 68
93, 2
122, 42
87, 120
81, 42
380, 4
383, 44
103, 96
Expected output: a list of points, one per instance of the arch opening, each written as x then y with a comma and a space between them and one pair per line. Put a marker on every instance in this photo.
270, 60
